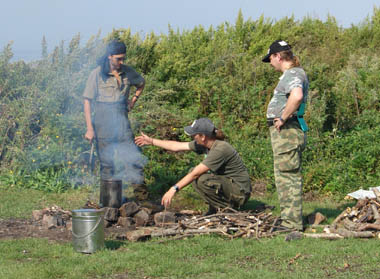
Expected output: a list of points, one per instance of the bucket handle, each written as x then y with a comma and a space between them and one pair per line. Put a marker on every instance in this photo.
90, 232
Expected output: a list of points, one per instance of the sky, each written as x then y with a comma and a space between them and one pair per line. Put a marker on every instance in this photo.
25, 22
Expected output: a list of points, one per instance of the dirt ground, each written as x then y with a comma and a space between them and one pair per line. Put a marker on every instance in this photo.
23, 228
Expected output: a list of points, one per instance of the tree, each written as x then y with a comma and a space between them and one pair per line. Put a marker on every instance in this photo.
44, 48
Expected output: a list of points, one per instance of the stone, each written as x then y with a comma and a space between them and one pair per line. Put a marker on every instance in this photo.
125, 222
107, 224
49, 221
141, 218
164, 217
316, 218
129, 209
69, 225
147, 210
111, 214
154, 207
37, 214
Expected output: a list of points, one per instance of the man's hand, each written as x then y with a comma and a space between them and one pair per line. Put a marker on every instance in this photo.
89, 135
278, 123
143, 140
131, 104
167, 198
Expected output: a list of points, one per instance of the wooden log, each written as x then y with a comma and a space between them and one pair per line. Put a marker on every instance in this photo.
190, 212
361, 203
340, 217
331, 236
138, 234
376, 214
366, 216
349, 225
367, 226
377, 194
164, 217
172, 232
350, 234
373, 201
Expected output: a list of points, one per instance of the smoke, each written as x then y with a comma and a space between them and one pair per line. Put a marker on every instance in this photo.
128, 162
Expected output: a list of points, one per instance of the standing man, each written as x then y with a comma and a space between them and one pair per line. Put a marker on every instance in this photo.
287, 130
107, 96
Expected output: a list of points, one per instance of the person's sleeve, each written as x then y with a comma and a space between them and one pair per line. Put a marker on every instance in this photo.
295, 81
91, 87
214, 160
135, 78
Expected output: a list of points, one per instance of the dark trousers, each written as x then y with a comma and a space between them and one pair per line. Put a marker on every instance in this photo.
120, 160
219, 191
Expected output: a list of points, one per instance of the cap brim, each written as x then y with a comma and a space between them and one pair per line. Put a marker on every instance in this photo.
189, 131
266, 58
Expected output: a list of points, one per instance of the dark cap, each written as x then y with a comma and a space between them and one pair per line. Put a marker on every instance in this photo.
200, 126
116, 47
275, 47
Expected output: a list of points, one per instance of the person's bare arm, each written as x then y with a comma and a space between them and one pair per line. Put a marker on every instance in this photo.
137, 95
90, 134
186, 180
170, 145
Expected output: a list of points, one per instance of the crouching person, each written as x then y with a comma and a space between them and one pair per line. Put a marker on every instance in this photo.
221, 179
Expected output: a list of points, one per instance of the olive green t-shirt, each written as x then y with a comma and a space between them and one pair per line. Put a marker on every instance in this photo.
108, 90
223, 159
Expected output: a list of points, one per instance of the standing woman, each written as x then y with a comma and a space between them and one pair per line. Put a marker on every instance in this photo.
287, 130
106, 96
221, 178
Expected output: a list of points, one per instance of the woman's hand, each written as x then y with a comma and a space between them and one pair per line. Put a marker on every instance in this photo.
143, 140
167, 198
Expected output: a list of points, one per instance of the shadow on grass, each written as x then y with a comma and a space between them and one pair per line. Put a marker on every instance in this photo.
334, 212
256, 205
113, 244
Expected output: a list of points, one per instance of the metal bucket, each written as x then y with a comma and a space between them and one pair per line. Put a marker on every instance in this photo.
111, 193
88, 230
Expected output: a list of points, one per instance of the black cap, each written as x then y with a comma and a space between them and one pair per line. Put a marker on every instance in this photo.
116, 47
275, 47
200, 126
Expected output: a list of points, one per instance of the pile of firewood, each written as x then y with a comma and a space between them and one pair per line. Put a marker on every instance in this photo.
359, 221
228, 222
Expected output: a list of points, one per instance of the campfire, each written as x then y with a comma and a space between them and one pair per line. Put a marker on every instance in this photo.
137, 222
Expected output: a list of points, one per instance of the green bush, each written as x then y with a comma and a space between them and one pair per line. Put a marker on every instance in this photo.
216, 73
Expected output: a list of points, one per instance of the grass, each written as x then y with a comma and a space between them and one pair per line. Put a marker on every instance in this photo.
198, 257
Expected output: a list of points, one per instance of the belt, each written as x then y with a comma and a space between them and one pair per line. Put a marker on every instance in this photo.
270, 121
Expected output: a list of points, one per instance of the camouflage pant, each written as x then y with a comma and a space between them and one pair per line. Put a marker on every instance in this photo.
219, 191
287, 146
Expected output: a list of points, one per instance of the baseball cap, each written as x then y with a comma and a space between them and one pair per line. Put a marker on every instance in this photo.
200, 126
275, 47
